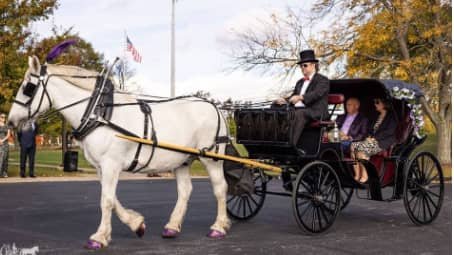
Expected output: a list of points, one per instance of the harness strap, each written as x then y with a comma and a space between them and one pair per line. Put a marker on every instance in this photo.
146, 109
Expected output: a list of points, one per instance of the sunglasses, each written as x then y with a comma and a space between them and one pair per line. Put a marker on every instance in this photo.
377, 101
304, 65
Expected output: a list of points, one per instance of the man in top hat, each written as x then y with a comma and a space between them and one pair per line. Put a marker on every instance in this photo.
310, 96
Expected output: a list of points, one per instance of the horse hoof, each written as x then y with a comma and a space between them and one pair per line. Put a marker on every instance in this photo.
93, 245
216, 234
141, 230
169, 233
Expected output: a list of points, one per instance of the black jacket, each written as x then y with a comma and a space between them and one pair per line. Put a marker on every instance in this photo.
359, 128
26, 135
316, 96
386, 132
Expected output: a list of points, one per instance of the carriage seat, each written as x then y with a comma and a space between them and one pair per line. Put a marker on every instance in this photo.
386, 171
403, 131
333, 99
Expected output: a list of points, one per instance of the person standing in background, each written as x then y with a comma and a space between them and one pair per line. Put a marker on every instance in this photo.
5, 133
27, 139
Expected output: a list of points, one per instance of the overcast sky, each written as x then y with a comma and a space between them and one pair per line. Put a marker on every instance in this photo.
201, 25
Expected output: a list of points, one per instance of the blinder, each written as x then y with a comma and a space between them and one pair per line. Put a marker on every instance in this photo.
29, 89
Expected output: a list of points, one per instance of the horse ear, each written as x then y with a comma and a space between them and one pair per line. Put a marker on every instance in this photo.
33, 63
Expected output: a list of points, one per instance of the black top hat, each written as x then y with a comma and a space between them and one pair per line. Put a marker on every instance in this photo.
307, 56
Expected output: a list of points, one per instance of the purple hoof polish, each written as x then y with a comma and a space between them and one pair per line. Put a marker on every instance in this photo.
216, 234
141, 230
93, 245
169, 233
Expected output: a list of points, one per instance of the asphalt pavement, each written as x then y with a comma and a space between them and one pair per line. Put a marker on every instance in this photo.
58, 217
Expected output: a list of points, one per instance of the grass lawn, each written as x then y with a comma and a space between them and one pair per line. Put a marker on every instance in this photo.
50, 157
53, 157
13, 171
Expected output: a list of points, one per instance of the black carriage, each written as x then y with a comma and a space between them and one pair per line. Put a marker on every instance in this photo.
320, 181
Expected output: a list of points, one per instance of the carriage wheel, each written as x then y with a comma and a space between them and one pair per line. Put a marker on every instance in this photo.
346, 192
246, 206
423, 188
316, 197
346, 195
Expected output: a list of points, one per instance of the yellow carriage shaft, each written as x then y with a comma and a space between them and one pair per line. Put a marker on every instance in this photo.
168, 146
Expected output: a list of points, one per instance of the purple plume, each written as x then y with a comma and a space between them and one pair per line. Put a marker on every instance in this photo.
58, 49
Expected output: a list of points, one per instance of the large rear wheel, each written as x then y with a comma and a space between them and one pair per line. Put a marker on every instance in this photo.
423, 188
316, 197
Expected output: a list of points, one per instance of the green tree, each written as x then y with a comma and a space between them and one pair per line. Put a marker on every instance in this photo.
15, 18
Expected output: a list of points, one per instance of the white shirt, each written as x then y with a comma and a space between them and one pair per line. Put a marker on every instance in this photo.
303, 90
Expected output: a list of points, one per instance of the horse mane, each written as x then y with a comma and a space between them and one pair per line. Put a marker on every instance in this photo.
86, 80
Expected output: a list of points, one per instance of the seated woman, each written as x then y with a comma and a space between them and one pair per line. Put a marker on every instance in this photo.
381, 137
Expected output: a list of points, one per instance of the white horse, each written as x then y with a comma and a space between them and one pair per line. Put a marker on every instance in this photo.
188, 123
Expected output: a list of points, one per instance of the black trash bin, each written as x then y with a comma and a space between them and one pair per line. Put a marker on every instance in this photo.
70, 162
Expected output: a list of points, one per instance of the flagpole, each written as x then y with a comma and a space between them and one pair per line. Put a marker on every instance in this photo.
172, 52
123, 75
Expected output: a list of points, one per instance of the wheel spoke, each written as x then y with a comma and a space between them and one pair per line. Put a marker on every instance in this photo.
331, 211
329, 202
325, 178
330, 185
432, 178
305, 210
412, 198
249, 206
302, 203
305, 186
244, 206
230, 199
235, 201
240, 200
253, 200
419, 206
319, 178
416, 203
429, 173
430, 192
322, 209
313, 219
429, 198
423, 163
319, 219
428, 207
423, 202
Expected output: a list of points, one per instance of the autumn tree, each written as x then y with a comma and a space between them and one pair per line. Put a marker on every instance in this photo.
390, 39
405, 40
15, 18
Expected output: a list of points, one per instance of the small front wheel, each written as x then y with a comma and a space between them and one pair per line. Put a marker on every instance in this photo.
247, 205
316, 197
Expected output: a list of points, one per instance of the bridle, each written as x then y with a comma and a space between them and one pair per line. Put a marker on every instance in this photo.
30, 90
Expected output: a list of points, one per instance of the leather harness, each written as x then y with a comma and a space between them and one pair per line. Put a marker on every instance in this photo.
100, 108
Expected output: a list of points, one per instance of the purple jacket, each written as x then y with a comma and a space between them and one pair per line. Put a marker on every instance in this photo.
359, 128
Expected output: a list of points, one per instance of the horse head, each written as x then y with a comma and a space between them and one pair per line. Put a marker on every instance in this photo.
32, 98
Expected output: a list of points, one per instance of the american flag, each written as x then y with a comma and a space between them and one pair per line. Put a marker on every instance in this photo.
135, 54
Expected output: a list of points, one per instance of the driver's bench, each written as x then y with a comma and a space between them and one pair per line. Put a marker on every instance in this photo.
265, 132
